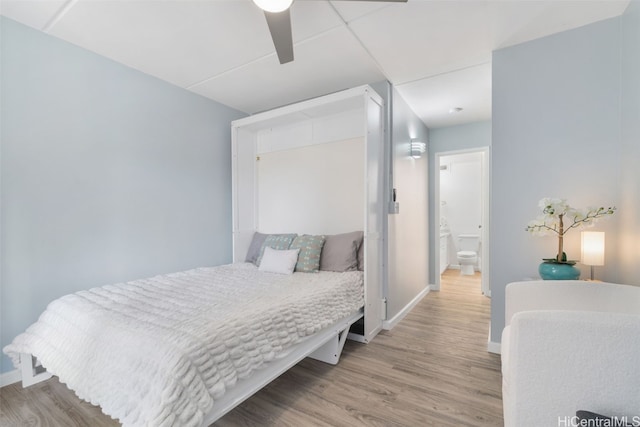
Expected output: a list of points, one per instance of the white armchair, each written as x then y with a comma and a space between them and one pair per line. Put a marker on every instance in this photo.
568, 346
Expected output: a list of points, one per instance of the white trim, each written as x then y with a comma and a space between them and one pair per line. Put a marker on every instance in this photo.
485, 283
486, 218
389, 324
11, 377
494, 347
296, 108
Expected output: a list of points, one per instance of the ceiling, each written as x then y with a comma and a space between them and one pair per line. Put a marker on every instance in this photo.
436, 53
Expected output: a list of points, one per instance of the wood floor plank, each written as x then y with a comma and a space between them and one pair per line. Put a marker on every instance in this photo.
432, 369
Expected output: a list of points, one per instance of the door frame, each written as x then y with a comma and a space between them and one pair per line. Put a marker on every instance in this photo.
486, 201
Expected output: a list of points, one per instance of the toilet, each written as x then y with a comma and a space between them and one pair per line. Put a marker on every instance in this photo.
468, 245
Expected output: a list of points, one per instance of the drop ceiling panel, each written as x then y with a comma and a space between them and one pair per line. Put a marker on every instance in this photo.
442, 36
309, 18
352, 10
34, 13
512, 22
432, 98
426, 38
183, 42
323, 64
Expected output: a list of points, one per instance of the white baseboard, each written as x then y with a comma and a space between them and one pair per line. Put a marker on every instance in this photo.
10, 377
494, 347
389, 324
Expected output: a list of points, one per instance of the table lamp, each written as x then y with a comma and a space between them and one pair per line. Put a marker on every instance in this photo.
592, 249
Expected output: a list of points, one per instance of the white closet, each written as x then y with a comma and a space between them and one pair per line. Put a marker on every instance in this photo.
315, 167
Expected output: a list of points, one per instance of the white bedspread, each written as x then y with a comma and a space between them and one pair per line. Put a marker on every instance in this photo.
158, 352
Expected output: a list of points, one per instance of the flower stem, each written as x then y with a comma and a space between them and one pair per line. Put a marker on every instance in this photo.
560, 237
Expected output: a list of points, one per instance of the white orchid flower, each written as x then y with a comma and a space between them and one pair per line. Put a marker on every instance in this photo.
558, 218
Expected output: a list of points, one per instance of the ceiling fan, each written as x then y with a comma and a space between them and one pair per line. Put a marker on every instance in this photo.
279, 22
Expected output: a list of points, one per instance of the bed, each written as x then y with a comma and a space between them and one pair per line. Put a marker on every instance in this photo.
170, 368
183, 349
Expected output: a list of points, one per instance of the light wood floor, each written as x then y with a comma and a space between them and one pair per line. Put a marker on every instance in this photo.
432, 369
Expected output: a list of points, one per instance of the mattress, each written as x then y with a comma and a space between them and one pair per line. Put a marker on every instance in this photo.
160, 351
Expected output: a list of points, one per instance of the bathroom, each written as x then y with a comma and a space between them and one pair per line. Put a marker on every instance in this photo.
462, 203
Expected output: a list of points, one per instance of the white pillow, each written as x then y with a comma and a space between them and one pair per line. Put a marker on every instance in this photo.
279, 261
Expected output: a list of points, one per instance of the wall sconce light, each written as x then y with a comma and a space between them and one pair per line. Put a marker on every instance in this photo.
417, 149
592, 249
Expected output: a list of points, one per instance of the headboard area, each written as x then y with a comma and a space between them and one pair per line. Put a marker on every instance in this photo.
315, 189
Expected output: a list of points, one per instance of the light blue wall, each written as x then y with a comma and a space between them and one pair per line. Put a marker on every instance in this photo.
441, 140
107, 175
556, 133
629, 233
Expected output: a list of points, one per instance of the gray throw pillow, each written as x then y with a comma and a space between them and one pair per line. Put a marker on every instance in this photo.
254, 248
361, 256
340, 252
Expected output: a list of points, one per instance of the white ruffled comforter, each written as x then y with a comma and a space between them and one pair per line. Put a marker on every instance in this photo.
158, 352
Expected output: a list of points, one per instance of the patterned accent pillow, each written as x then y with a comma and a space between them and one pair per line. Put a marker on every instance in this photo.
310, 250
276, 241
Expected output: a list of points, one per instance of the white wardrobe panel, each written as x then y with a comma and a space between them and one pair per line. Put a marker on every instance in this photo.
317, 189
374, 245
312, 131
285, 137
347, 125
244, 177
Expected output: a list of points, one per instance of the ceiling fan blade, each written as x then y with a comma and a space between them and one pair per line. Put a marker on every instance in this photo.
280, 28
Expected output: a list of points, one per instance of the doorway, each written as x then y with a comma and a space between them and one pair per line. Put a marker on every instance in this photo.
462, 209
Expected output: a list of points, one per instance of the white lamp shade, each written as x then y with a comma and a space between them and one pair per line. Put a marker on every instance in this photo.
592, 248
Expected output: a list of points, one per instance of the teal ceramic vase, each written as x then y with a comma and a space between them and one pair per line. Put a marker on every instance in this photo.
558, 271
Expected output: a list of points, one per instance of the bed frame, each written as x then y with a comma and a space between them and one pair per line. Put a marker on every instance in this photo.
333, 112
31, 370
325, 346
